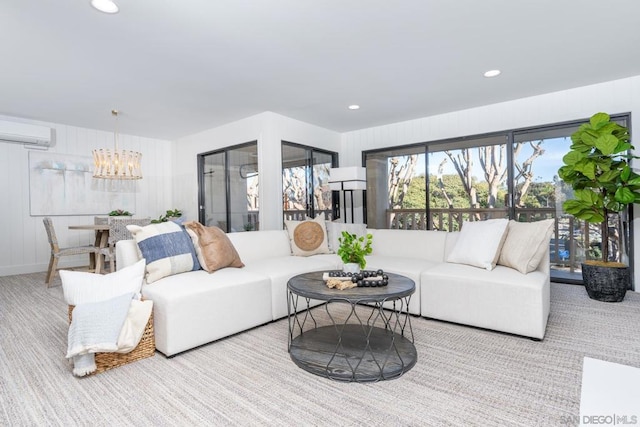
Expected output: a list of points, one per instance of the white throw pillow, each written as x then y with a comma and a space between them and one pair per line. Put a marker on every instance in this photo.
526, 244
479, 243
308, 237
80, 287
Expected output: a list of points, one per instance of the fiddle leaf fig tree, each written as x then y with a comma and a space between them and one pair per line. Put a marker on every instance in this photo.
598, 170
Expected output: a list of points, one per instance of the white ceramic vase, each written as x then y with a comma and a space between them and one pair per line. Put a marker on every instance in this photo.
351, 267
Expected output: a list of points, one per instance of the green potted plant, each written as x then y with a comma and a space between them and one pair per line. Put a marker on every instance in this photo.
172, 214
120, 212
353, 249
597, 168
169, 215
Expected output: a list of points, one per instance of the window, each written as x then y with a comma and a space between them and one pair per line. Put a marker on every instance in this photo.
305, 182
512, 174
396, 188
228, 188
538, 193
467, 181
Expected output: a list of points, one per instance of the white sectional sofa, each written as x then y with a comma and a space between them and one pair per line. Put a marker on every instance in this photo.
195, 308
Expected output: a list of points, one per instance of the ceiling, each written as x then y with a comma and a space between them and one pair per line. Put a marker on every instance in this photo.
174, 68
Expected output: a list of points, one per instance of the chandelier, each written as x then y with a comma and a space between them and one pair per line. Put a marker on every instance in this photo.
116, 164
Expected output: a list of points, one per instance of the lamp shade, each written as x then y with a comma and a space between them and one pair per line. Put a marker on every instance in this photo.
348, 178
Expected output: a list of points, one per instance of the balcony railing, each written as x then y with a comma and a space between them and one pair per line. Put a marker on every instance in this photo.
301, 214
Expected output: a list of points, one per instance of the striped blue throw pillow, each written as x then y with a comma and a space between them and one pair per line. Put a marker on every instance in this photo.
167, 249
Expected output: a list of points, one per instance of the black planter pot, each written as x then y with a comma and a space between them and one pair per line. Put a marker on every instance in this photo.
608, 284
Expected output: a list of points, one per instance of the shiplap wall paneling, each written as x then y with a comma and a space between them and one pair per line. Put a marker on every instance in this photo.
24, 246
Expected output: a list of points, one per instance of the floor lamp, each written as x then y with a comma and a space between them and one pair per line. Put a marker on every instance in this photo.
348, 179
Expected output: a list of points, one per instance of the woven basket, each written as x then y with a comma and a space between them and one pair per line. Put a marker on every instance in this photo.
146, 348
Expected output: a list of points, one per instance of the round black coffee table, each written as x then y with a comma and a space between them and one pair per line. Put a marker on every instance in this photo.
367, 334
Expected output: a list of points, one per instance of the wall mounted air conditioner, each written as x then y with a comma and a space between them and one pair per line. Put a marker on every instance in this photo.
27, 134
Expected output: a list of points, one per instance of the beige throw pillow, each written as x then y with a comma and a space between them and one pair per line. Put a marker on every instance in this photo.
479, 243
308, 237
213, 247
526, 244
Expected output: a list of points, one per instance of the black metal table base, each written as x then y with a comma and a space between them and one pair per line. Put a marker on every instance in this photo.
351, 353
358, 334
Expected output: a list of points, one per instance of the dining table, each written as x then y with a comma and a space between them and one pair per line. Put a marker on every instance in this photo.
96, 261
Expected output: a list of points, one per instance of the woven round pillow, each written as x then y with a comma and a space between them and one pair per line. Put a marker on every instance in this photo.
308, 236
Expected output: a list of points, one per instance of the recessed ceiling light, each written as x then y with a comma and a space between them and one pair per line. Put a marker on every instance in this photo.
492, 73
106, 6
354, 107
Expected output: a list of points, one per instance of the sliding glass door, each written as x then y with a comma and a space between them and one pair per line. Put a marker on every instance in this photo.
511, 174
467, 181
213, 189
396, 188
305, 182
538, 194
229, 188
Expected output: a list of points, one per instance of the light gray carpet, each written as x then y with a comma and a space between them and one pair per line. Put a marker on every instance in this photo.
464, 376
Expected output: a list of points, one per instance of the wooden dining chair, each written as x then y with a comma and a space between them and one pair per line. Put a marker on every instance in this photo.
57, 252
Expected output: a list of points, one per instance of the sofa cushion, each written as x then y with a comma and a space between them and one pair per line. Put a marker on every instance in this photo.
166, 247
452, 238
409, 267
423, 244
525, 245
502, 299
280, 270
196, 308
335, 229
308, 237
479, 243
257, 245
332, 260
213, 247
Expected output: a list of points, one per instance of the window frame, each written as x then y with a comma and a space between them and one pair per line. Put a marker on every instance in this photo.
511, 136
227, 179
309, 150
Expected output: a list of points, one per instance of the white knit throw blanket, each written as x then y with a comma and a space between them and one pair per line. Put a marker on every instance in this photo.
94, 328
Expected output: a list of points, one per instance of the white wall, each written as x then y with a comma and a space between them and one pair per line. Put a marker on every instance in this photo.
269, 129
619, 96
170, 170
23, 241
